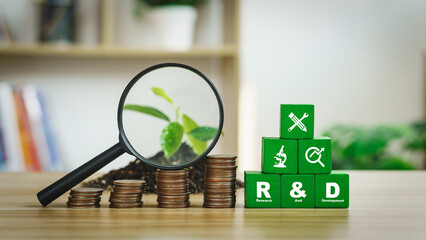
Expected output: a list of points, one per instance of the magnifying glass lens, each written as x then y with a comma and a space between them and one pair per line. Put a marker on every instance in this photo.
170, 117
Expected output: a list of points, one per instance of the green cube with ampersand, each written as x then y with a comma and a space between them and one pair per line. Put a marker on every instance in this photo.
297, 191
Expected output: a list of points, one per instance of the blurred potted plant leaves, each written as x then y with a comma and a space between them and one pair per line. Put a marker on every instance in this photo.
173, 21
381, 147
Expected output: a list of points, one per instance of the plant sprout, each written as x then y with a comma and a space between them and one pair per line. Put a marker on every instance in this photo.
172, 135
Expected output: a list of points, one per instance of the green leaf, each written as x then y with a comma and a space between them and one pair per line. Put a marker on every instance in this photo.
171, 138
160, 92
147, 110
203, 133
188, 125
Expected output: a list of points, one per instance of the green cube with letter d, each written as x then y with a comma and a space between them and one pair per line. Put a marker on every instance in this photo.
332, 190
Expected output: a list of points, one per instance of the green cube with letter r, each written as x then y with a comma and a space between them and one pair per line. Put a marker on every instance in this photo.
332, 190
279, 155
297, 121
262, 190
315, 156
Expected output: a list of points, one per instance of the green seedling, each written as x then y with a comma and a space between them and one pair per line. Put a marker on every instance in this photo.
172, 135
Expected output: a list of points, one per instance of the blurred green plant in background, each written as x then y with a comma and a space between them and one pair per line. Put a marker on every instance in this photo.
381, 147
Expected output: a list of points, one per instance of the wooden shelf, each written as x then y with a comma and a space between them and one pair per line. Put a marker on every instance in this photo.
227, 51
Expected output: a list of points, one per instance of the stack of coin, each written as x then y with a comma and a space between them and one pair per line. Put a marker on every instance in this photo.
220, 172
85, 198
127, 193
172, 188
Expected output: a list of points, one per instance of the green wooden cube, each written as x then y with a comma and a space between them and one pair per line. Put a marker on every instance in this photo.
315, 155
279, 155
297, 191
332, 190
297, 121
262, 190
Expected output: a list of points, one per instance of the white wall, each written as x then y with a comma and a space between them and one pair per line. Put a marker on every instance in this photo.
359, 62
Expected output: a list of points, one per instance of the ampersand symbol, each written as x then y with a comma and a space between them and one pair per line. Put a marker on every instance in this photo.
296, 192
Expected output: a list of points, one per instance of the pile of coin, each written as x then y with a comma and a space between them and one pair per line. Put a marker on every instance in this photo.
220, 173
172, 188
84, 198
127, 193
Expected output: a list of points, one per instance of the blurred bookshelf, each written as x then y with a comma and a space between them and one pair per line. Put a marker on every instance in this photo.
54, 50
220, 59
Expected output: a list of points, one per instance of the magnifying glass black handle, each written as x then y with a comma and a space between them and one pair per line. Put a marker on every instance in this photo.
73, 178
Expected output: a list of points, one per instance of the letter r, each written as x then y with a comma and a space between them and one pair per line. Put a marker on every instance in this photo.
263, 187
328, 187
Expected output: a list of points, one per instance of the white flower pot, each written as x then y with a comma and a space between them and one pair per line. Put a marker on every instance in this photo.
173, 27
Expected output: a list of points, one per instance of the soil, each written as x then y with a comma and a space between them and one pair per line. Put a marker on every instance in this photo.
140, 170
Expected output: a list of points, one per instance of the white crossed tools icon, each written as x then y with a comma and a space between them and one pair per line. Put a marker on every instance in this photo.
298, 122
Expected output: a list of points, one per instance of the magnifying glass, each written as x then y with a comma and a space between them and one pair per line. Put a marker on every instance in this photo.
314, 151
170, 116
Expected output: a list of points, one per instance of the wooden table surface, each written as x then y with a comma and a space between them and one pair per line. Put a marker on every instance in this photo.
383, 205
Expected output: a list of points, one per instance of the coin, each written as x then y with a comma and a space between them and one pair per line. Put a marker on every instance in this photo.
123, 192
79, 206
219, 184
81, 203
220, 172
129, 182
84, 197
177, 171
219, 189
172, 188
220, 167
219, 206
218, 164
171, 185
219, 203
71, 199
128, 200
85, 194
185, 205
87, 190
125, 205
221, 156
127, 193
165, 196
121, 187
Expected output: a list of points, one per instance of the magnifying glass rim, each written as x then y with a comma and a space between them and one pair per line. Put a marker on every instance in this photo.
129, 86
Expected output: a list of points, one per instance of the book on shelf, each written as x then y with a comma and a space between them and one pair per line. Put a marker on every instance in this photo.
27, 141
2, 152
26, 138
13, 160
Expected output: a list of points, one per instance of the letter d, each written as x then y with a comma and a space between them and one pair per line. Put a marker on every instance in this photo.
328, 187
263, 187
